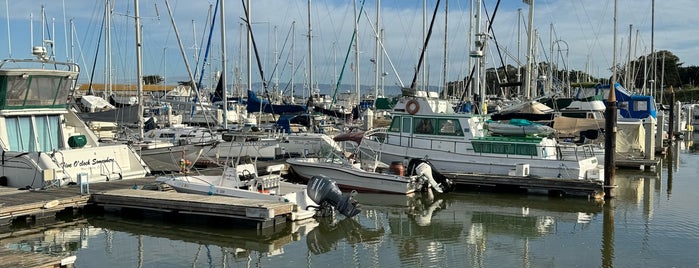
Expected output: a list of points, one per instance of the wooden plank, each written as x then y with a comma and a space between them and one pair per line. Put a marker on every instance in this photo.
174, 201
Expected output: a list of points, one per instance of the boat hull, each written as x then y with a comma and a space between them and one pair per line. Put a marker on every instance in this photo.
350, 178
451, 162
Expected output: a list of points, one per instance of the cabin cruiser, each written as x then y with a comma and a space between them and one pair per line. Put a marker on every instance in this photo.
424, 126
44, 143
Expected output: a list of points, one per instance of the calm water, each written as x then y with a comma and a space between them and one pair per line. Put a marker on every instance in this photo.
652, 222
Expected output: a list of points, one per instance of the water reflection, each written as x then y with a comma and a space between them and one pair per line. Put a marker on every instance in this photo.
330, 232
472, 229
61, 239
426, 229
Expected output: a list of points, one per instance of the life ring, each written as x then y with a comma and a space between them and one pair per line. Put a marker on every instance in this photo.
412, 107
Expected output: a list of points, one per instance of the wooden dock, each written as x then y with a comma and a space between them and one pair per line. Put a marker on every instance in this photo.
642, 164
551, 186
31, 206
262, 214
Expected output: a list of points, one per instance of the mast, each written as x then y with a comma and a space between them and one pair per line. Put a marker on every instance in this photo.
310, 52
356, 53
652, 47
376, 53
9, 40
627, 74
293, 61
224, 70
519, 42
139, 71
530, 48
446, 27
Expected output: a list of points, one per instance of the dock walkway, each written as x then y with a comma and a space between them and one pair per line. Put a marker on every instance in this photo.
590, 189
31, 206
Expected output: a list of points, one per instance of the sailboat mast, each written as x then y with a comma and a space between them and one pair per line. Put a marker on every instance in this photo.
356, 53
530, 49
139, 71
376, 52
293, 60
224, 70
446, 38
9, 40
310, 52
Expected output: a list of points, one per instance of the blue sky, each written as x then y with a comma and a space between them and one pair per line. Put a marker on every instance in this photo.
583, 27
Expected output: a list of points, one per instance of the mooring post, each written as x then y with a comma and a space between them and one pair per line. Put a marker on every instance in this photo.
610, 143
671, 126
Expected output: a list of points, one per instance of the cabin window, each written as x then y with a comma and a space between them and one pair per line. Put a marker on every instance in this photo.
42, 91
424, 126
450, 127
16, 90
395, 124
640, 105
406, 124
24, 137
37, 91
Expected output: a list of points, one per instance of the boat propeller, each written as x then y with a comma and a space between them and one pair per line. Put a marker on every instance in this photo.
423, 167
324, 192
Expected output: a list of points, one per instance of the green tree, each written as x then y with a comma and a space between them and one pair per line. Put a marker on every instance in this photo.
153, 79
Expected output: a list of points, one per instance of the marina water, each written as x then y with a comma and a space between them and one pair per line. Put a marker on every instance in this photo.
652, 222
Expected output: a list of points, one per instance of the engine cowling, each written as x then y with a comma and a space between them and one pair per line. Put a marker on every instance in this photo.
436, 180
323, 190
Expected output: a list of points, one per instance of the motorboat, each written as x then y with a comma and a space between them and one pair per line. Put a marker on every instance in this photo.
361, 171
45, 143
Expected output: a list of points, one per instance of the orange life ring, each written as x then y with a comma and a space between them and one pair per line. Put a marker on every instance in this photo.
415, 107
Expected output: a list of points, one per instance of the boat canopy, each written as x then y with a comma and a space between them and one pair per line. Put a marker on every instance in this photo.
24, 88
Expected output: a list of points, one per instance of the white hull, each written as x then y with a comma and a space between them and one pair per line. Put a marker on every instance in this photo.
167, 159
450, 162
274, 146
348, 177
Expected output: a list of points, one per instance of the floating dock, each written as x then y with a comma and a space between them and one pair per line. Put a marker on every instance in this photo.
551, 186
262, 214
32, 206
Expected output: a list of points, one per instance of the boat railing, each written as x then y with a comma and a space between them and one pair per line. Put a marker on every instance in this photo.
68, 65
574, 152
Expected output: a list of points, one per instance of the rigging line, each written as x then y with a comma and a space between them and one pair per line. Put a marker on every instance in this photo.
492, 33
257, 58
349, 49
201, 43
385, 53
424, 47
206, 57
276, 65
473, 69
94, 63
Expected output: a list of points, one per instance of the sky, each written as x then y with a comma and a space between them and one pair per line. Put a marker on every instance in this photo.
581, 33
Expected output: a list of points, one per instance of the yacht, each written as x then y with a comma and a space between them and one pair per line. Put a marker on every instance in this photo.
44, 143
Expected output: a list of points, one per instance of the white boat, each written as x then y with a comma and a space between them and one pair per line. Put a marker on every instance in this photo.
362, 172
354, 176
44, 143
458, 143
518, 127
242, 181
271, 145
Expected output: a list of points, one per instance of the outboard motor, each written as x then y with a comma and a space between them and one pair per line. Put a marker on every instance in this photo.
436, 180
324, 192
